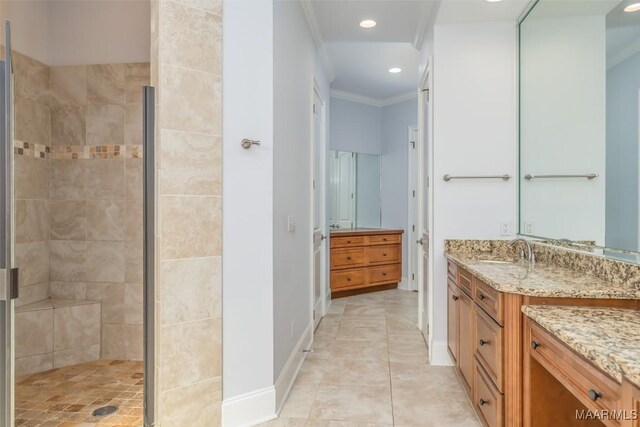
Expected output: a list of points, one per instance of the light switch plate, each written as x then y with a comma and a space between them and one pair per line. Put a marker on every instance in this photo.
291, 224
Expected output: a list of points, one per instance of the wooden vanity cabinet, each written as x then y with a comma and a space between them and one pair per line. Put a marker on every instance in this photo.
364, 259
485, 341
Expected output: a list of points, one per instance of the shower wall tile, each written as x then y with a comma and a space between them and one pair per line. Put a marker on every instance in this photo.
133, 342
187, 32
105, 262
34, 332
69, 85
68, 220
133, 179
112, 341
105, 124
134, 221
191, 163
31, 178
31, 364
31, 78
189, 289
105, 179
32, 121
68, 290
68, 125
32, 220
190, 226
33, 260
105, 84
137, 75
193, 405
133, 124
133, 302
68, 261
76, 326
68, 180
105, 219
32, 293
133, 261
111, 295
75, 356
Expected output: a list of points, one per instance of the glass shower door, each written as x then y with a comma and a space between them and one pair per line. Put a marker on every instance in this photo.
8, 275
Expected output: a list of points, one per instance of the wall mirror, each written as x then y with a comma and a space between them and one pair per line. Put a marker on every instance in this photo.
579, 66
354, 190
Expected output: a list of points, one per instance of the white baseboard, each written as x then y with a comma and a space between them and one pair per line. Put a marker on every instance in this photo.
404, 284
440, 354
249, 409
292, 367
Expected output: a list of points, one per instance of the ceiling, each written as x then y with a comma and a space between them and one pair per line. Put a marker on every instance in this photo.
467, 11
362, 68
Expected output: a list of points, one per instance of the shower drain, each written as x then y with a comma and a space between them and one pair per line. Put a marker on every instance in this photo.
104, 411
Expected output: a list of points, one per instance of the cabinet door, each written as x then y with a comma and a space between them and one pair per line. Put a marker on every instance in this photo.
453, 319
466, 338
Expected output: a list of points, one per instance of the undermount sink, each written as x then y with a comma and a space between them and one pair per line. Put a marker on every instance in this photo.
495, 261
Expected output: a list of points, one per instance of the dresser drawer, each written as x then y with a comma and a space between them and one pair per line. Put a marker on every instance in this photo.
464, 280
385, 274
488, 401
595, 390
452, 270
348, 258
344, 242
347, 279
489, 299
488, 347
383, 254
385, 239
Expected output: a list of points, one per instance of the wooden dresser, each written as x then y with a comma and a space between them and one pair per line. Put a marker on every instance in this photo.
366, 259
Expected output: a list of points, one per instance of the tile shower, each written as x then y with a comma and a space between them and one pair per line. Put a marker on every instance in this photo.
78, 190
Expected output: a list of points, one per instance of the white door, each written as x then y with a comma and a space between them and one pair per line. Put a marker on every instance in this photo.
319, 196
415, 231
344, 186
425, 213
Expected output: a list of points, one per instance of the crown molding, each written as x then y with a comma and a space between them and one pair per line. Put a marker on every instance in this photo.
429, 10
312, 23
368, 100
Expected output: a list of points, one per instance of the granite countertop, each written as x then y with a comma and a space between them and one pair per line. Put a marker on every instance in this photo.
608, 337
540, 279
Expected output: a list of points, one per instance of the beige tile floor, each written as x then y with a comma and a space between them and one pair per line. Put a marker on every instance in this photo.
369, 368
65, 397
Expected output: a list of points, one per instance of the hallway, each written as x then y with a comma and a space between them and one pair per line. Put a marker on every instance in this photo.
369, 368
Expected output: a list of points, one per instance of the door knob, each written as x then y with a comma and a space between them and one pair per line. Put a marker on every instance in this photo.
248, 143
323, 237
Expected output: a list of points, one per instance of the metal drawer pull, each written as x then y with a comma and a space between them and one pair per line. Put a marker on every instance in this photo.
483, 402
535, 344
483, 342
594, 395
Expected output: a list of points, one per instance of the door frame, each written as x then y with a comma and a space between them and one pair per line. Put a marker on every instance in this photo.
323, 305
414, 167
425, 284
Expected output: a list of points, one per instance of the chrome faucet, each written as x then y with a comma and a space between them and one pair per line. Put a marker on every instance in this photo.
531, 256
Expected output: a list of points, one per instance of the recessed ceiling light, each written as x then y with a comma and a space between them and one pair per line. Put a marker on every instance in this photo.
368, 23
395, 70
633, 7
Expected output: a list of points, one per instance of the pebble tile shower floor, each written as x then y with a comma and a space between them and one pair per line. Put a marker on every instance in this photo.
67, 396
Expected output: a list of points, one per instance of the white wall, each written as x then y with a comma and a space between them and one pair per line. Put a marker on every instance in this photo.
355, 127
562, 125
474, 101
396, 120
247, 295
73, 32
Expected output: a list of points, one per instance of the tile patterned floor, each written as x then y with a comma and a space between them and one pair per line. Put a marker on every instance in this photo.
66, 397
369, 369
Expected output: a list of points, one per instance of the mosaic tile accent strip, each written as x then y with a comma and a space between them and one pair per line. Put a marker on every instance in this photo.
29, 149
68, 396
78, 152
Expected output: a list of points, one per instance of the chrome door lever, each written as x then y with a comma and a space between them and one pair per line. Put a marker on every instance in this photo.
420, 241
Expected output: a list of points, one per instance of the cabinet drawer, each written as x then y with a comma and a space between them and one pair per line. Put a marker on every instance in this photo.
347, 279
386, 274
383, 254
594, 389
464, 280
488, 347
342, 242
385, 239
348, 258
488, 401
489, 299
452, 270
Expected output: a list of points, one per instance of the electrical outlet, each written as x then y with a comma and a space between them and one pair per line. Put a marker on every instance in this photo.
291, 224
505, 228
528, 228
